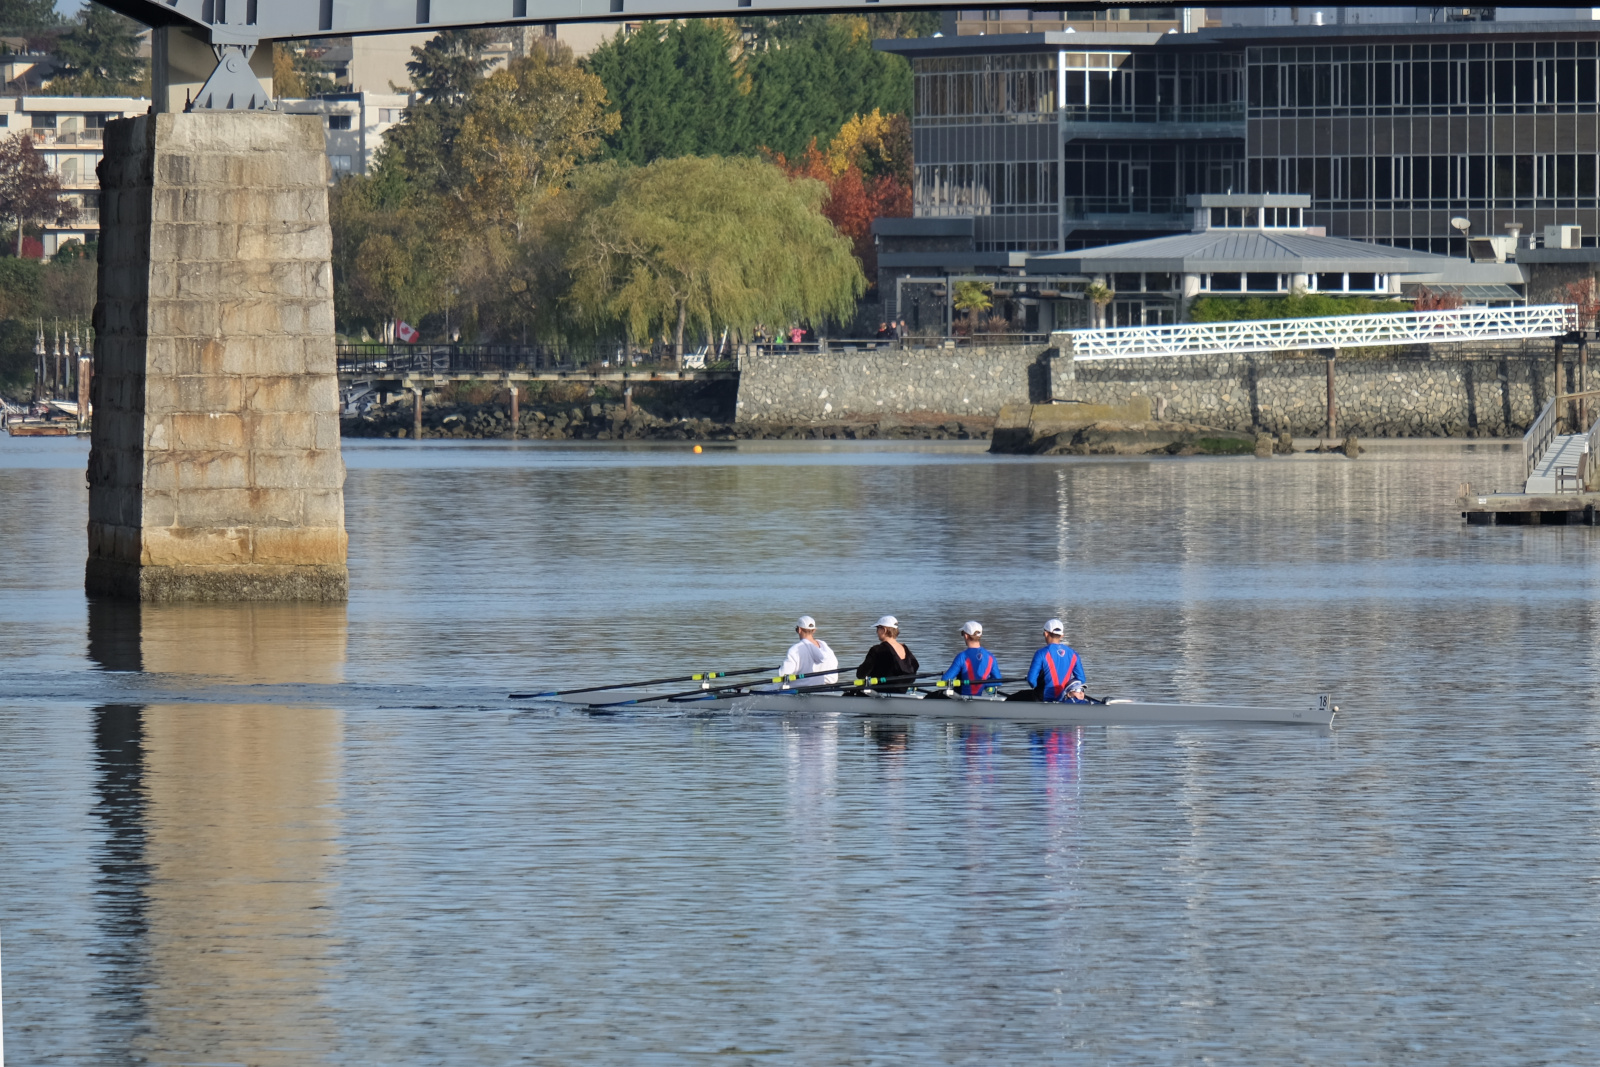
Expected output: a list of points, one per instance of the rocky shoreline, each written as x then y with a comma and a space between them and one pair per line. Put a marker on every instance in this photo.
598, 421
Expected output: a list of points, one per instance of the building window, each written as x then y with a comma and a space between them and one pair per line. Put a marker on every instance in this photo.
5, 120
1262, 283
1225, 283
44, 122
338, 122
340, 164
391, 114
96, 122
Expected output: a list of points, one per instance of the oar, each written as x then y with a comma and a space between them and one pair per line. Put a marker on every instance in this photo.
776, 679
854, 683
702, 676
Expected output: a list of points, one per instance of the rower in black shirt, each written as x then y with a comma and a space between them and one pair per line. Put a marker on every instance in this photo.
889, 658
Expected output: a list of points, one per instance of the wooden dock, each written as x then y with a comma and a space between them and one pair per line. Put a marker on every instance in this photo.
1561, 473
1529, 509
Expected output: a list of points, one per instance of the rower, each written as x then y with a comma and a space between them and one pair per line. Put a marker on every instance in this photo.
810, 655
889, 658
974, 665
1056, 673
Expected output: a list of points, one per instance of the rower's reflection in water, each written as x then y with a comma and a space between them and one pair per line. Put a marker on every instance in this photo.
221, 826
1057, 757
891, 737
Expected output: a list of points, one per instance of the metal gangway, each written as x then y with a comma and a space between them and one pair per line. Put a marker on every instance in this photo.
1337, 332
1561, 462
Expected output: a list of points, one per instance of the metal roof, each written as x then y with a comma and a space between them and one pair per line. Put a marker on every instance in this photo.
1285, 251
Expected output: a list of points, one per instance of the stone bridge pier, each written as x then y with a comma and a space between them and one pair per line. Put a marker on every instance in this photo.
214, 465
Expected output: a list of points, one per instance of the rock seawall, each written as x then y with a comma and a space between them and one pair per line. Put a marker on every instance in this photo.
1482, 393
1374, 397
776, 386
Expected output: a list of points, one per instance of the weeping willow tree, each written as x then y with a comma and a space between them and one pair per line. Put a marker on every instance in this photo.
708, 242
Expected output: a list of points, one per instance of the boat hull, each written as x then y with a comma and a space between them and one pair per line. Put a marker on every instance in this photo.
1315, 712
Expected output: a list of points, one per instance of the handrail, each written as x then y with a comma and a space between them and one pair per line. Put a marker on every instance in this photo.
1537, 440
1592, 473
1340, 331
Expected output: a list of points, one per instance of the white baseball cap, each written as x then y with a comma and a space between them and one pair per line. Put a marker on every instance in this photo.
972, 628
1054, 626
806, 623
889, 621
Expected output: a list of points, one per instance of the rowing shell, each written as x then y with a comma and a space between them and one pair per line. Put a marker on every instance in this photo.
1318, 712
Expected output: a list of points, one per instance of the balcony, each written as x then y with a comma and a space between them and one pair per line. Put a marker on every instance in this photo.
66, 139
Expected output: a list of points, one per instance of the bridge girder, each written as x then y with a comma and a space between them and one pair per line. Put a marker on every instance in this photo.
246, 22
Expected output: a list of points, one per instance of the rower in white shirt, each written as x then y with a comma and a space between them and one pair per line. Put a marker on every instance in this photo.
810, 655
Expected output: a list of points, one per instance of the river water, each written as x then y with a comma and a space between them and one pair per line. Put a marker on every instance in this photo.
305, 835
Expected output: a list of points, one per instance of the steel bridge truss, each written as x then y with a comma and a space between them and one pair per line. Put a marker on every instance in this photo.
1343, 331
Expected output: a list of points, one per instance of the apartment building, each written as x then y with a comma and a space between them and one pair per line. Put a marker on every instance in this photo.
68, 131
354, 124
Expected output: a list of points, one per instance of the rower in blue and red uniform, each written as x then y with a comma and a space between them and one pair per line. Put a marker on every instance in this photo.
1056, 673
974, 665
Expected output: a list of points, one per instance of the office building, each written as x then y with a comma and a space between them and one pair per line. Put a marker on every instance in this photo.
1031, 143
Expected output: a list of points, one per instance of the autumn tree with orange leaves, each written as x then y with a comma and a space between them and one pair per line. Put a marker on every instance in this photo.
867, 169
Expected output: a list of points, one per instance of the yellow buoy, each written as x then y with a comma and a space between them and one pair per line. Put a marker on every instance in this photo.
697, 449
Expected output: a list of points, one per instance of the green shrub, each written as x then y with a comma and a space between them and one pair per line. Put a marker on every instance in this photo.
1293, 306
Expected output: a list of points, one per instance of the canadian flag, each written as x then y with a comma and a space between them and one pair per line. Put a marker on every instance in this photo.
406, 332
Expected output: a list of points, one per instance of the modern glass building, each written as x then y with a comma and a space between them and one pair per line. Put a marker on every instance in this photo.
1059, 141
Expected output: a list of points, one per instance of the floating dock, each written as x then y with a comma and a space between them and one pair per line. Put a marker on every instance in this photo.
1530, 509
1561, 484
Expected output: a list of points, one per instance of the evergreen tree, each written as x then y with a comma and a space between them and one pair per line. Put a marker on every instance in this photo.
809, 84
445, 69
418, 152
679, 90
25, 17
100, 54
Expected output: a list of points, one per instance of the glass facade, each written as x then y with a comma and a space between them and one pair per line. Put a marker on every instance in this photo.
1066, 148
1391, 141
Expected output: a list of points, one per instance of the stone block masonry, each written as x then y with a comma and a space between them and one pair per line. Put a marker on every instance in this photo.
214, 465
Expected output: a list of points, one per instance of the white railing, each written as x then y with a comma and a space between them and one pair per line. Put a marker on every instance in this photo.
1537, 440
1591, 467
1343, 331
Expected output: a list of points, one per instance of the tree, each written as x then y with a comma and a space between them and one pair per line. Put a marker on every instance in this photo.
525, 128
806, 87
420, 150
28, 191
1584, 299
711, 242
678, 90
444, 69
1100, 295
863, 181
1436, 299
24, 17
971, 297
100, 55
296, 73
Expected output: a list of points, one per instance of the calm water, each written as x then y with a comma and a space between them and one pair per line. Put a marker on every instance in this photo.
304, 835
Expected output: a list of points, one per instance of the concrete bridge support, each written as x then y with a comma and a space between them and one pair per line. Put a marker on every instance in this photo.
214, 469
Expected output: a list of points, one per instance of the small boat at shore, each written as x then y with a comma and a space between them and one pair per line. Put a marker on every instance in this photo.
1317, 712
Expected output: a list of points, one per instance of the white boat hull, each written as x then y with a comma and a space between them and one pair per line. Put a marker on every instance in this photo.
1317, 712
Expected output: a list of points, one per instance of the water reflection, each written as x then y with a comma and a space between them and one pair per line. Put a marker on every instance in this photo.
220, 835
